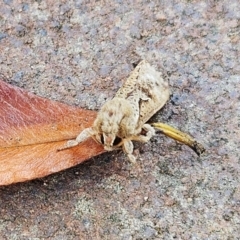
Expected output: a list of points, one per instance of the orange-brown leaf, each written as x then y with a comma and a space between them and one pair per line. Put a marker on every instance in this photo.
32, 129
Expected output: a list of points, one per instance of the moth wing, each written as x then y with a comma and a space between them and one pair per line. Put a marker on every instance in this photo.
149, 88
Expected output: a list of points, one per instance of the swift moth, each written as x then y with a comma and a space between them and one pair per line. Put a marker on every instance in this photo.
123, 119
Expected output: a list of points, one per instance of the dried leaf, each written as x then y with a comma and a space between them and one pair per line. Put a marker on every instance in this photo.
32, 129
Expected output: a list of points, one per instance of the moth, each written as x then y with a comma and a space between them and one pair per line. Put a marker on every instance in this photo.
123, 119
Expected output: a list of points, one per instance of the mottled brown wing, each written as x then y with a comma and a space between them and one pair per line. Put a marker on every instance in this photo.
146, 86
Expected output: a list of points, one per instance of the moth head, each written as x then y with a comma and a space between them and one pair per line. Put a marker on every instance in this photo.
110, 142
109, 134
106, 134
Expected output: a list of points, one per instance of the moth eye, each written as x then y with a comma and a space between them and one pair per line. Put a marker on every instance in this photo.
117, 140
102, 139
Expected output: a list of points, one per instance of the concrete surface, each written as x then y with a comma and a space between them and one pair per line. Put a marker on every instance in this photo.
80, 52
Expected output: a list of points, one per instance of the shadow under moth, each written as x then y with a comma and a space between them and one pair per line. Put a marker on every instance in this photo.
124, 118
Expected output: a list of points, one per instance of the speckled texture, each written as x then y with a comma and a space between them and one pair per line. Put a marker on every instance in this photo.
80, 52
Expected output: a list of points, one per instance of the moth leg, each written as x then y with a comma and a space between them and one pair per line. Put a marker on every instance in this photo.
128, 149
84, 135
150, 131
